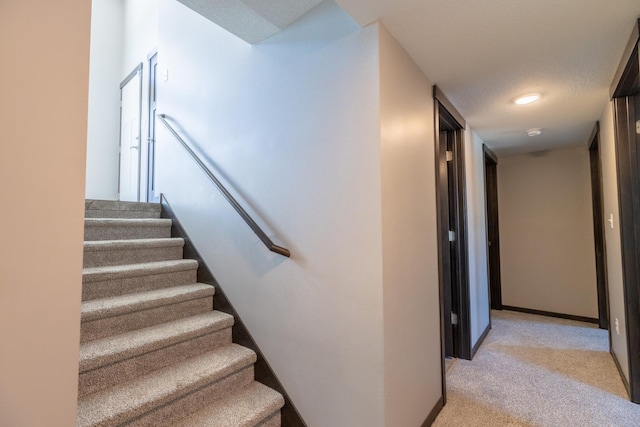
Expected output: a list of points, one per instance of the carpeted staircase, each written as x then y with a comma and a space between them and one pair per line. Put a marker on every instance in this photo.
153, 351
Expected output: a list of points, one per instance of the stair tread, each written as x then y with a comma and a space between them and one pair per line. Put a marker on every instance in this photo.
105, 245
115, 348
141, 395
93, 204
127, 222
132, 270
114, 306
246, 407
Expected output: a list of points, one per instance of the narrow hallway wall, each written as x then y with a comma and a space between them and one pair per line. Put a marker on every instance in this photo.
412, 353
546, 232
44, 47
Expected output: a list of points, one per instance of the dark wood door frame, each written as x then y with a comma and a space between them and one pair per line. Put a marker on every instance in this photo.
598, 228
493, 230
448, 120
625, 91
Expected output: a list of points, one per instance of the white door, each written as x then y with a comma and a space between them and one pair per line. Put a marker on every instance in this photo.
130, 96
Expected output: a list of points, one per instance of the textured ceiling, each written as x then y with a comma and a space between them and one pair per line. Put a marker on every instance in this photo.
485, 53
252, 20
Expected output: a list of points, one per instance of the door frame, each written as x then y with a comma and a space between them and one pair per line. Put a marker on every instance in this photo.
446, 112
493, 229
625, 93
152, 100
595, 165
137, 71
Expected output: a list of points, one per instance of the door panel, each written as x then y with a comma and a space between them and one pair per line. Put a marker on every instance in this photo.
493, 234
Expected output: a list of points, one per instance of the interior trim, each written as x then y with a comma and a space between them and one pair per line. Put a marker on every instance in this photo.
619, 367
434, 413
442, 99
476, 347
551, 314
624, 79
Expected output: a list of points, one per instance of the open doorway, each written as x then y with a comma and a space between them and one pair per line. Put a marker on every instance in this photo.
452, 245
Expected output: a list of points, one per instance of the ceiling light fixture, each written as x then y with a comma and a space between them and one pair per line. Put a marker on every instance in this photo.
527, 99
534, 132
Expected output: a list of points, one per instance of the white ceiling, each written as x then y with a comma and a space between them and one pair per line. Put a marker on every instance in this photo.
251, 20
485, 53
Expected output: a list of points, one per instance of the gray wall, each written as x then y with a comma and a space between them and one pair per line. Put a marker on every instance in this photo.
612, 239
44, 48
546, 232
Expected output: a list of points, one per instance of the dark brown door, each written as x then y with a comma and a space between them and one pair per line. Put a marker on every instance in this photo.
493, 231
598, 229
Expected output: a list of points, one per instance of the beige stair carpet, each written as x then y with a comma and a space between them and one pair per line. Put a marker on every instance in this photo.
154, 352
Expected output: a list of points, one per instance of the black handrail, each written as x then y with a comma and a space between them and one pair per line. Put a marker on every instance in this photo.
250, 222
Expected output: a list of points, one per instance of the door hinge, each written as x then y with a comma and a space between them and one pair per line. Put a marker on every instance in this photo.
638, 127
449, 156
454, 318
452, 236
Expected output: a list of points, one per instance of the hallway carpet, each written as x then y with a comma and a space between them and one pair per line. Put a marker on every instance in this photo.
538, 371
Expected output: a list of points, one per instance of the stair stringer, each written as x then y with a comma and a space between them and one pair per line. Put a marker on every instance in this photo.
240, 334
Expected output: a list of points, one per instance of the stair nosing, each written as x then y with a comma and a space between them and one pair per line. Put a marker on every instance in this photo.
127, 222
116, 348
96, 274
92, 310
272, 403
121, 205
163, 386
120, 244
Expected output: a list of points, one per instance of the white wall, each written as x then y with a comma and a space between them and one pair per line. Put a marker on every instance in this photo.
292, 125
123, 33
412, 351
546, 232
140, 32
613, 239
44, 47
105, 75
477, 235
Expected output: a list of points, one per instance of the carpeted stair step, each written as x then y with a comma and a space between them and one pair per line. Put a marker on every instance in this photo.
104, 282
108, 361
111, 316
168, 394
126, 228
252, 406
114, 209
121, 252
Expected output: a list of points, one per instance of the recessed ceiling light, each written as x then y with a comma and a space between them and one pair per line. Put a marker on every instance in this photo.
534, 132
527, 99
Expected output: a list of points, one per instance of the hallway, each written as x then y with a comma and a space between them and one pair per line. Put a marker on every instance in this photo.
538, 371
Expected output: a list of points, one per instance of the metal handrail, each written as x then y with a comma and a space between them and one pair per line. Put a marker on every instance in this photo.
234, 203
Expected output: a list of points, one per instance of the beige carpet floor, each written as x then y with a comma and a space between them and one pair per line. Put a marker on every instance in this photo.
538, 371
